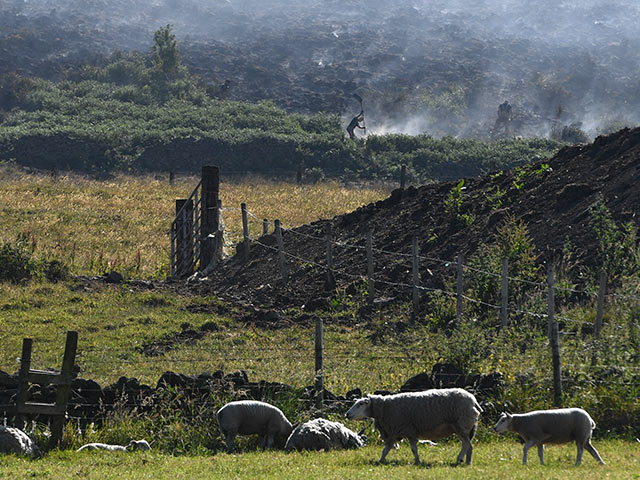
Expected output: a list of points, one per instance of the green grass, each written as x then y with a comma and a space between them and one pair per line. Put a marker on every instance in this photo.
495, 459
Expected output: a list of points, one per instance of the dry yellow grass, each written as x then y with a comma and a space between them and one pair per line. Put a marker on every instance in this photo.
123, 223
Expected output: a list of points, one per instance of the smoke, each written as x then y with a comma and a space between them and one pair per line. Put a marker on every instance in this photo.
422, 66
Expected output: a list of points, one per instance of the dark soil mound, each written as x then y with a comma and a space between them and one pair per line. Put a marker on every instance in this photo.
552, 198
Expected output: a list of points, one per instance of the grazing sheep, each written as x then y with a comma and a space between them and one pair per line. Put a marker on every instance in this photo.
321, 434
246, 417
562, 425
14, 440
133, 445
427, 415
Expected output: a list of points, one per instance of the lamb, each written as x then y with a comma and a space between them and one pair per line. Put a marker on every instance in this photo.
14, 440
321, 434
131, 446
427, 415
247, 417
561, 425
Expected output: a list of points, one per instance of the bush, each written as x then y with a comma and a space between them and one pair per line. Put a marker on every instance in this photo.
18, 263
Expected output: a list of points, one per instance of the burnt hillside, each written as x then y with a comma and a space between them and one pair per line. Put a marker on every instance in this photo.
435, 66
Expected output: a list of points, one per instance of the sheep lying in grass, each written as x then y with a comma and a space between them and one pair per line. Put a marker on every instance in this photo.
248, 417
321, 434
14, 440
428, 415
133, 445
562, 425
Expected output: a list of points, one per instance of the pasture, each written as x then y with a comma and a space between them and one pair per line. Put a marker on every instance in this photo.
122, 223
495, 459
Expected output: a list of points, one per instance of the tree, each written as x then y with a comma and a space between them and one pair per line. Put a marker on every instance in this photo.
166, 57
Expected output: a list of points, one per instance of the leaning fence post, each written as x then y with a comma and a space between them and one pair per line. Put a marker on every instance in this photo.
64, 388
372, 284
283, 268
459, 287
416, 278
553, 338
245, 232
504, 293
602, 290
319, 378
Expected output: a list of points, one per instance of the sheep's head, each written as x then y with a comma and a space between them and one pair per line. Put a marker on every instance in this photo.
360, 410
138, 445
504, 423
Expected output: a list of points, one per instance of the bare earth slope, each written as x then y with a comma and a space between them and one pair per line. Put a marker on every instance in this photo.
553, 198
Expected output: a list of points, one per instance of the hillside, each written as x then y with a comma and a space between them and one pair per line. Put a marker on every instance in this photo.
553, 198
441, 67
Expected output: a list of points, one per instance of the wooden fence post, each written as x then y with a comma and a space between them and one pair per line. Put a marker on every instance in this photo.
23, 384
602, 291
265, 226
504, 293
245, 232
459, 287
299, 173
319, 378
416, 279
281, 262
62, 380
64, 388
330, 282
553, 338
208, 213
372, 284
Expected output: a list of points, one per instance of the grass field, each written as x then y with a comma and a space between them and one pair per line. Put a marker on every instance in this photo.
123, 223
99, 225
497, 459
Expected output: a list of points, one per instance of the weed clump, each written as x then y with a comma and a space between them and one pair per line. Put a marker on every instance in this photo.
19, 263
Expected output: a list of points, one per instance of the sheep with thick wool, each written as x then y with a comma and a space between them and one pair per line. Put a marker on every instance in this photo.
248, 417
321, 434
427, 415
562, 425
14, 440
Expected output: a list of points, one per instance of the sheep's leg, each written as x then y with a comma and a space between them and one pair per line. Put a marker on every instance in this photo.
527, 446
270, 440
594, 453
467, 448
229, 438
414, 449
541, 453
385, 450
580, 452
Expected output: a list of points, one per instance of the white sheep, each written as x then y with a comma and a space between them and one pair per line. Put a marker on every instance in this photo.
248, 417
427, 415
133, 445
14, 440
321, 434
561, 425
